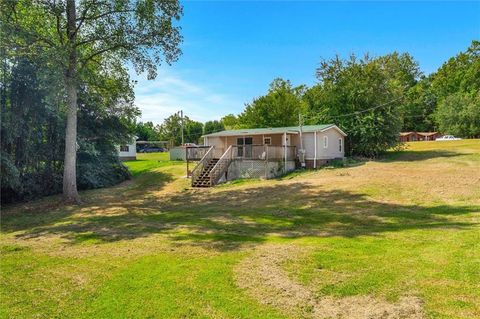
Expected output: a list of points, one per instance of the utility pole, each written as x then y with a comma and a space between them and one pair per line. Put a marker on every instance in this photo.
302, 151
181, 124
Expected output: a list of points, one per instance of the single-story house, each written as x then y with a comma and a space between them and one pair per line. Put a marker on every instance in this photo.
266, 152
128, 152
418, 136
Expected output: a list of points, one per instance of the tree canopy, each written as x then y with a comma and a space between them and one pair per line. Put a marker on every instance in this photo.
362, 96
279, 107
213, 126
373, 99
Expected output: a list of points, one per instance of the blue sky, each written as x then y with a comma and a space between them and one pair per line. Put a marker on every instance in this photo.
233, 50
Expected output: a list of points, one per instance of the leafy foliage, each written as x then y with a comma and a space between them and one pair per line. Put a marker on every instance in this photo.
426, 106
171, 130
459, 114
418, 108
147, 131
363, 97
230, 122
459, 74
457, 85
33, 122
213, 126
279, 107
75, 36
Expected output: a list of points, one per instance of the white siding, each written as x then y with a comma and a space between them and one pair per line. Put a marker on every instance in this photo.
216, 141
332, 150
132, 151
309, 145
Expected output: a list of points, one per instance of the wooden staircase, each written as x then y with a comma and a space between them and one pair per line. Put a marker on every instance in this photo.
204, 180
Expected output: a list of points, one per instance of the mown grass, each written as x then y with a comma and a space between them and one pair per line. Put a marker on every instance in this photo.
407, 224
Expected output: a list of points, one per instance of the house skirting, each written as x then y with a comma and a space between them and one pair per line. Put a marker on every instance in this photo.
310, 163
244, 168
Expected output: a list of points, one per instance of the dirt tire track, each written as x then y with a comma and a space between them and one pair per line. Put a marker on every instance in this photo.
263, 277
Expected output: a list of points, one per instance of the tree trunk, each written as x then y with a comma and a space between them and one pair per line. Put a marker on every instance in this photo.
70, 192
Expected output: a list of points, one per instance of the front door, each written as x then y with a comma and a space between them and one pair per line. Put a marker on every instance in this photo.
244, 148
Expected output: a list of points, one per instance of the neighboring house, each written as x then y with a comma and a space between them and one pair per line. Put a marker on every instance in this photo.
266, 152
418, 136
128, 152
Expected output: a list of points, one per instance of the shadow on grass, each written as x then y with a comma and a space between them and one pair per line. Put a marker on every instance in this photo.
228, 219
51, 210
411, 156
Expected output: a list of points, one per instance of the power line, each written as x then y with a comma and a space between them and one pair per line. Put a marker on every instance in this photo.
369, 109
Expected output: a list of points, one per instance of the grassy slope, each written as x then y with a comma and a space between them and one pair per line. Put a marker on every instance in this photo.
153, 247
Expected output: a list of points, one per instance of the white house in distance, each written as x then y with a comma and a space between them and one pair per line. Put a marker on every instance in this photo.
128, 152
266, 152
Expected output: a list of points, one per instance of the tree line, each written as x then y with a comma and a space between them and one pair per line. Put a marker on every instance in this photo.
171, 130
370, 98
374, 98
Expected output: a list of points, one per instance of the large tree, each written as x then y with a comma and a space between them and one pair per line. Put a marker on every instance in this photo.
279, 107
147, 131
460, 73
33, 129
418, 107
459, 114
456, 86
364, 97
229, 122
73, 34
212, 127
171, 130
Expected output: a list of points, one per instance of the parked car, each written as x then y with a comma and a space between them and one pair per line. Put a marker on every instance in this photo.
448, 138
151, 149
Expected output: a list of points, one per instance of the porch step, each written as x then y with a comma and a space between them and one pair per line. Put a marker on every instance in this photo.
203, 180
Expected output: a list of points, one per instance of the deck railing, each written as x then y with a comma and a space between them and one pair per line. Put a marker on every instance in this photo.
264, 152
221, 166
202, 163
195, 153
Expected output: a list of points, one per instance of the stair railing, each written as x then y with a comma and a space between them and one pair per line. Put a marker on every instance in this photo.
201, 164
221, 166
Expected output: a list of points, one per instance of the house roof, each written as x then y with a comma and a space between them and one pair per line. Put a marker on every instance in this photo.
276, 130
419, 133
427, 133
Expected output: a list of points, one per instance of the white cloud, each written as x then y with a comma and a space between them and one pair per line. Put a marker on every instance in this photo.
170, 93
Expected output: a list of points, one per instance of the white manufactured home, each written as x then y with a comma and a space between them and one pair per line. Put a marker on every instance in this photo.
128, 152
266, 152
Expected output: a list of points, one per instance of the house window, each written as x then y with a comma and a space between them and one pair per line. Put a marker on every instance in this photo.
340, 145
267, 140
124, 148
325, 141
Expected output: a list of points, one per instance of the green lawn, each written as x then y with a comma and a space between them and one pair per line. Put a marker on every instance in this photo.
399, 237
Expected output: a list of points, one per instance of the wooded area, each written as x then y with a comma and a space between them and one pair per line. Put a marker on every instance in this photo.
66, 90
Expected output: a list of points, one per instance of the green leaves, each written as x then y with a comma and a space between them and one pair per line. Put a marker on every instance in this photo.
280, 107
363, 97
459, 114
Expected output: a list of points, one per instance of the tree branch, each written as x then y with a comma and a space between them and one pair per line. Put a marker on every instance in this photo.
83, 15
107, 13
93, 55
